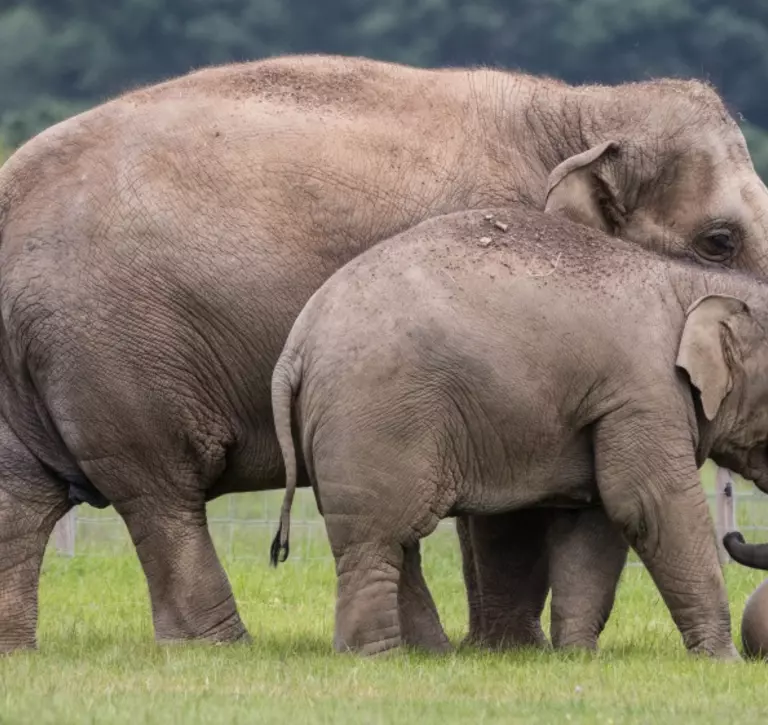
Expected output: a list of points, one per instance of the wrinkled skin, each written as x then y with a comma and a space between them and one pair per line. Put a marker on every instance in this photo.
157, 249
458, 369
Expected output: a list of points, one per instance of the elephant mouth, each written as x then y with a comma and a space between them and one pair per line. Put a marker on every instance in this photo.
758, 467
762, 483
751, 464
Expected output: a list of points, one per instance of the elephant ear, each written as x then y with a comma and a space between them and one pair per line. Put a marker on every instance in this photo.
702, 352
582, 188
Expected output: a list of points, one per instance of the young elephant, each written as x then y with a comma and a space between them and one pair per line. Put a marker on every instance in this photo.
492, 361
754, 621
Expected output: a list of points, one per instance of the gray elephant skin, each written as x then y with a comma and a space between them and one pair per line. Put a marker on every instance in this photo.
157, 249
485, 362
754, 621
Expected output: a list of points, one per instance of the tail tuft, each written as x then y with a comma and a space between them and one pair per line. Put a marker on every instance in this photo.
279, 550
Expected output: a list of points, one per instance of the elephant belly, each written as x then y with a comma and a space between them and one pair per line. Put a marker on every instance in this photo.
571, 484
563, 478
257, 465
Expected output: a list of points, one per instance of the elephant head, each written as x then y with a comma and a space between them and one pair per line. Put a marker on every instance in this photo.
667, 167
724, 351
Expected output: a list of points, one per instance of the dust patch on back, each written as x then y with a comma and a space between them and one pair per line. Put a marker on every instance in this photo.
525, 243
305, 81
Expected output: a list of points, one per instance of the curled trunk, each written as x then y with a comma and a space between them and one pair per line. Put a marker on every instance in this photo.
754, 556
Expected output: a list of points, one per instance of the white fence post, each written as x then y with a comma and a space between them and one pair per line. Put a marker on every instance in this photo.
64, 533
724, 509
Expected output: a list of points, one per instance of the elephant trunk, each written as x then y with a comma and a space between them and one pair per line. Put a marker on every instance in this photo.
754, 556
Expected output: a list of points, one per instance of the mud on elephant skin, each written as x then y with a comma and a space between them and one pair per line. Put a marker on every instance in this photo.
157, 249
540, 365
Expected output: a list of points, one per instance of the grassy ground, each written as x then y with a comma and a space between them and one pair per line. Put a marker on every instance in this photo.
97, 662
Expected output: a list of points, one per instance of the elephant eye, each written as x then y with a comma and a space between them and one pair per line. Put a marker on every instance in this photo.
716, 245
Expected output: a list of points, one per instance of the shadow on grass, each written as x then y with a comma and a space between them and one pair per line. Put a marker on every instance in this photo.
281, 646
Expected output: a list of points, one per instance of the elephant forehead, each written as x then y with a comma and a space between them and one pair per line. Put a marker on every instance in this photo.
704, 188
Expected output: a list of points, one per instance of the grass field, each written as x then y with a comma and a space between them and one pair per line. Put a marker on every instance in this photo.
97, 662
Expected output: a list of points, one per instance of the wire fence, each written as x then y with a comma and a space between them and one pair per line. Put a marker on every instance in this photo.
243, 525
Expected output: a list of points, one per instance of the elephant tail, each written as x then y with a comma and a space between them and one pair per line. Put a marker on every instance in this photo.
754, 556
286, 380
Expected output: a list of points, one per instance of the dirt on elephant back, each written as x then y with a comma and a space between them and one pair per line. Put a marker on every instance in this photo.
308, 82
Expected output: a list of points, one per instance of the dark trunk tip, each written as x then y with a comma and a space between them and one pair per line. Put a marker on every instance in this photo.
731, 538
755, 556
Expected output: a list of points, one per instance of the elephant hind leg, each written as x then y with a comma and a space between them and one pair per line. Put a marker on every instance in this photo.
508, 585
419, 620
191, 595
471, 584
164, 511
376, 507
31, 502
367, 616
587, 557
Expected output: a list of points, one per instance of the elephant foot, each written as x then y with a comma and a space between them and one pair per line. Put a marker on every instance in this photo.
724, 653
510, 643
435, 646
507, 635
383, 649
12, 649
232, 631
574, 637
419, 621
576, 647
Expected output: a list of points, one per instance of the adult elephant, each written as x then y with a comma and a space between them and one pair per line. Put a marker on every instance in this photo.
156, 250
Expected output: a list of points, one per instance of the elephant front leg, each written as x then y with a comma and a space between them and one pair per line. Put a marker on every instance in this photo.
650, 488
189, 590
508, 585
587, 555
419, 620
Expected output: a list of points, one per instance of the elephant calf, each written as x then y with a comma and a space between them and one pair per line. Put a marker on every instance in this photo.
491, 361
754, 622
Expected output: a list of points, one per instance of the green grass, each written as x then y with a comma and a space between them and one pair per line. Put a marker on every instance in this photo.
97, 662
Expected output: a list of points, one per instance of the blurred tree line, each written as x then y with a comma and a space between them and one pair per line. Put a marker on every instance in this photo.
60, 56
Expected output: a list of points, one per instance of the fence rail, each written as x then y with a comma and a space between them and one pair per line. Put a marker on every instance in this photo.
243, 525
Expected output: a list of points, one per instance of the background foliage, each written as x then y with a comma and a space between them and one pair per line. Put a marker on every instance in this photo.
59, 56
